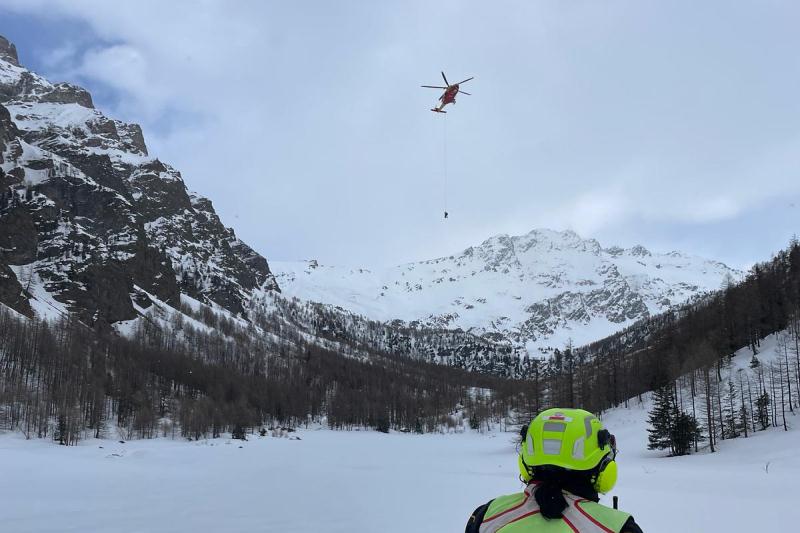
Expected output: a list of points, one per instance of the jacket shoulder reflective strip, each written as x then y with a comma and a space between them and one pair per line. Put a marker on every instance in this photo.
577, 519
584, 522
606, 519
525, 508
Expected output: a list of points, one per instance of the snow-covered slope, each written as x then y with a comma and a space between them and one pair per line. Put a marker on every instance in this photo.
538, 290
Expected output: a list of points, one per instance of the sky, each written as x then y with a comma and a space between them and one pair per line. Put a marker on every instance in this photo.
672, 124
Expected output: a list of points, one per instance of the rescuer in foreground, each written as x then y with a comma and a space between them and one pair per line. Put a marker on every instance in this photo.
566, 458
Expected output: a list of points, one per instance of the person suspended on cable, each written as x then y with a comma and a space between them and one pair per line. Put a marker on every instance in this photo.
566, 458
445, 214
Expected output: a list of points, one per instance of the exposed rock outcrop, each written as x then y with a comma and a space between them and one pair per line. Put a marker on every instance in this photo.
97, 223
8, 52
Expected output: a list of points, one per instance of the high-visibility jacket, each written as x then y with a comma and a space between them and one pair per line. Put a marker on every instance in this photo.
519, 513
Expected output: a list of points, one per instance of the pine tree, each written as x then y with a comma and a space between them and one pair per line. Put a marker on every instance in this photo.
474, 421
729, 412
744, 414
661, 420
762, 410
684, 433
238, 432
743, 419
61, 432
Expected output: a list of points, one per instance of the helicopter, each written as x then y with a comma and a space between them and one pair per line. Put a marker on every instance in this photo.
449, 96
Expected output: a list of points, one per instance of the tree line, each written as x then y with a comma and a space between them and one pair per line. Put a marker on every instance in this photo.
726, 401
203, 373
65, 381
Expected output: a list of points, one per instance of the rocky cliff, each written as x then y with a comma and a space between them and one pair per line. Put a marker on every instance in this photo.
91, 224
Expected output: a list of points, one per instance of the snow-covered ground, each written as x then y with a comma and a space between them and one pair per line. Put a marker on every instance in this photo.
367, 481
748, 485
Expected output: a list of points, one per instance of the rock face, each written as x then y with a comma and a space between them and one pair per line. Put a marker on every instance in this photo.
90, 224
537, 291
11, 292
8, 52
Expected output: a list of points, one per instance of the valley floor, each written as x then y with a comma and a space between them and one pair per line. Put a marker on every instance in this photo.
367, 481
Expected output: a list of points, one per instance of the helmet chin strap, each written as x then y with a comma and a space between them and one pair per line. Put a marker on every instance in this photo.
528, 469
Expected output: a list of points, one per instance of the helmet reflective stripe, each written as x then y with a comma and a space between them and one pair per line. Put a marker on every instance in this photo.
587, 423
554, 426
552, 446
575, 518
529, 440
578, 449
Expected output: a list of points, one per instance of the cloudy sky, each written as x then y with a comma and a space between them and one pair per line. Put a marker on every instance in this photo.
675, 124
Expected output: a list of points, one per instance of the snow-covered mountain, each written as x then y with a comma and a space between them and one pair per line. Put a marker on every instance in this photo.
90, 223
538, 290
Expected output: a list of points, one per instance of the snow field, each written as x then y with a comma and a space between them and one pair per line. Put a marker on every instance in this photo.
328, 481
368, 481
365, 481
748, 485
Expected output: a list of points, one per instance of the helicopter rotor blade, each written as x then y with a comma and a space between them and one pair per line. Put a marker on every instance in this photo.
433, 87
466, 80
464, 92
445, 79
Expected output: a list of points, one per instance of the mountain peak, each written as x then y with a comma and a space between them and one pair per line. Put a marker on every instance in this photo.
20, 85
513, 250
566, 238
535, 291
8, 52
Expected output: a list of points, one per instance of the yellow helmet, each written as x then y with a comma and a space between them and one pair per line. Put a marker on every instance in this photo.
572, 439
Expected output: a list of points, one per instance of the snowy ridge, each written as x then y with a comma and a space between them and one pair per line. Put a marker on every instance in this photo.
538, 290
75, 126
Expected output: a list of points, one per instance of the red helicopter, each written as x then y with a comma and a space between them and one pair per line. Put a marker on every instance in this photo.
449, 96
